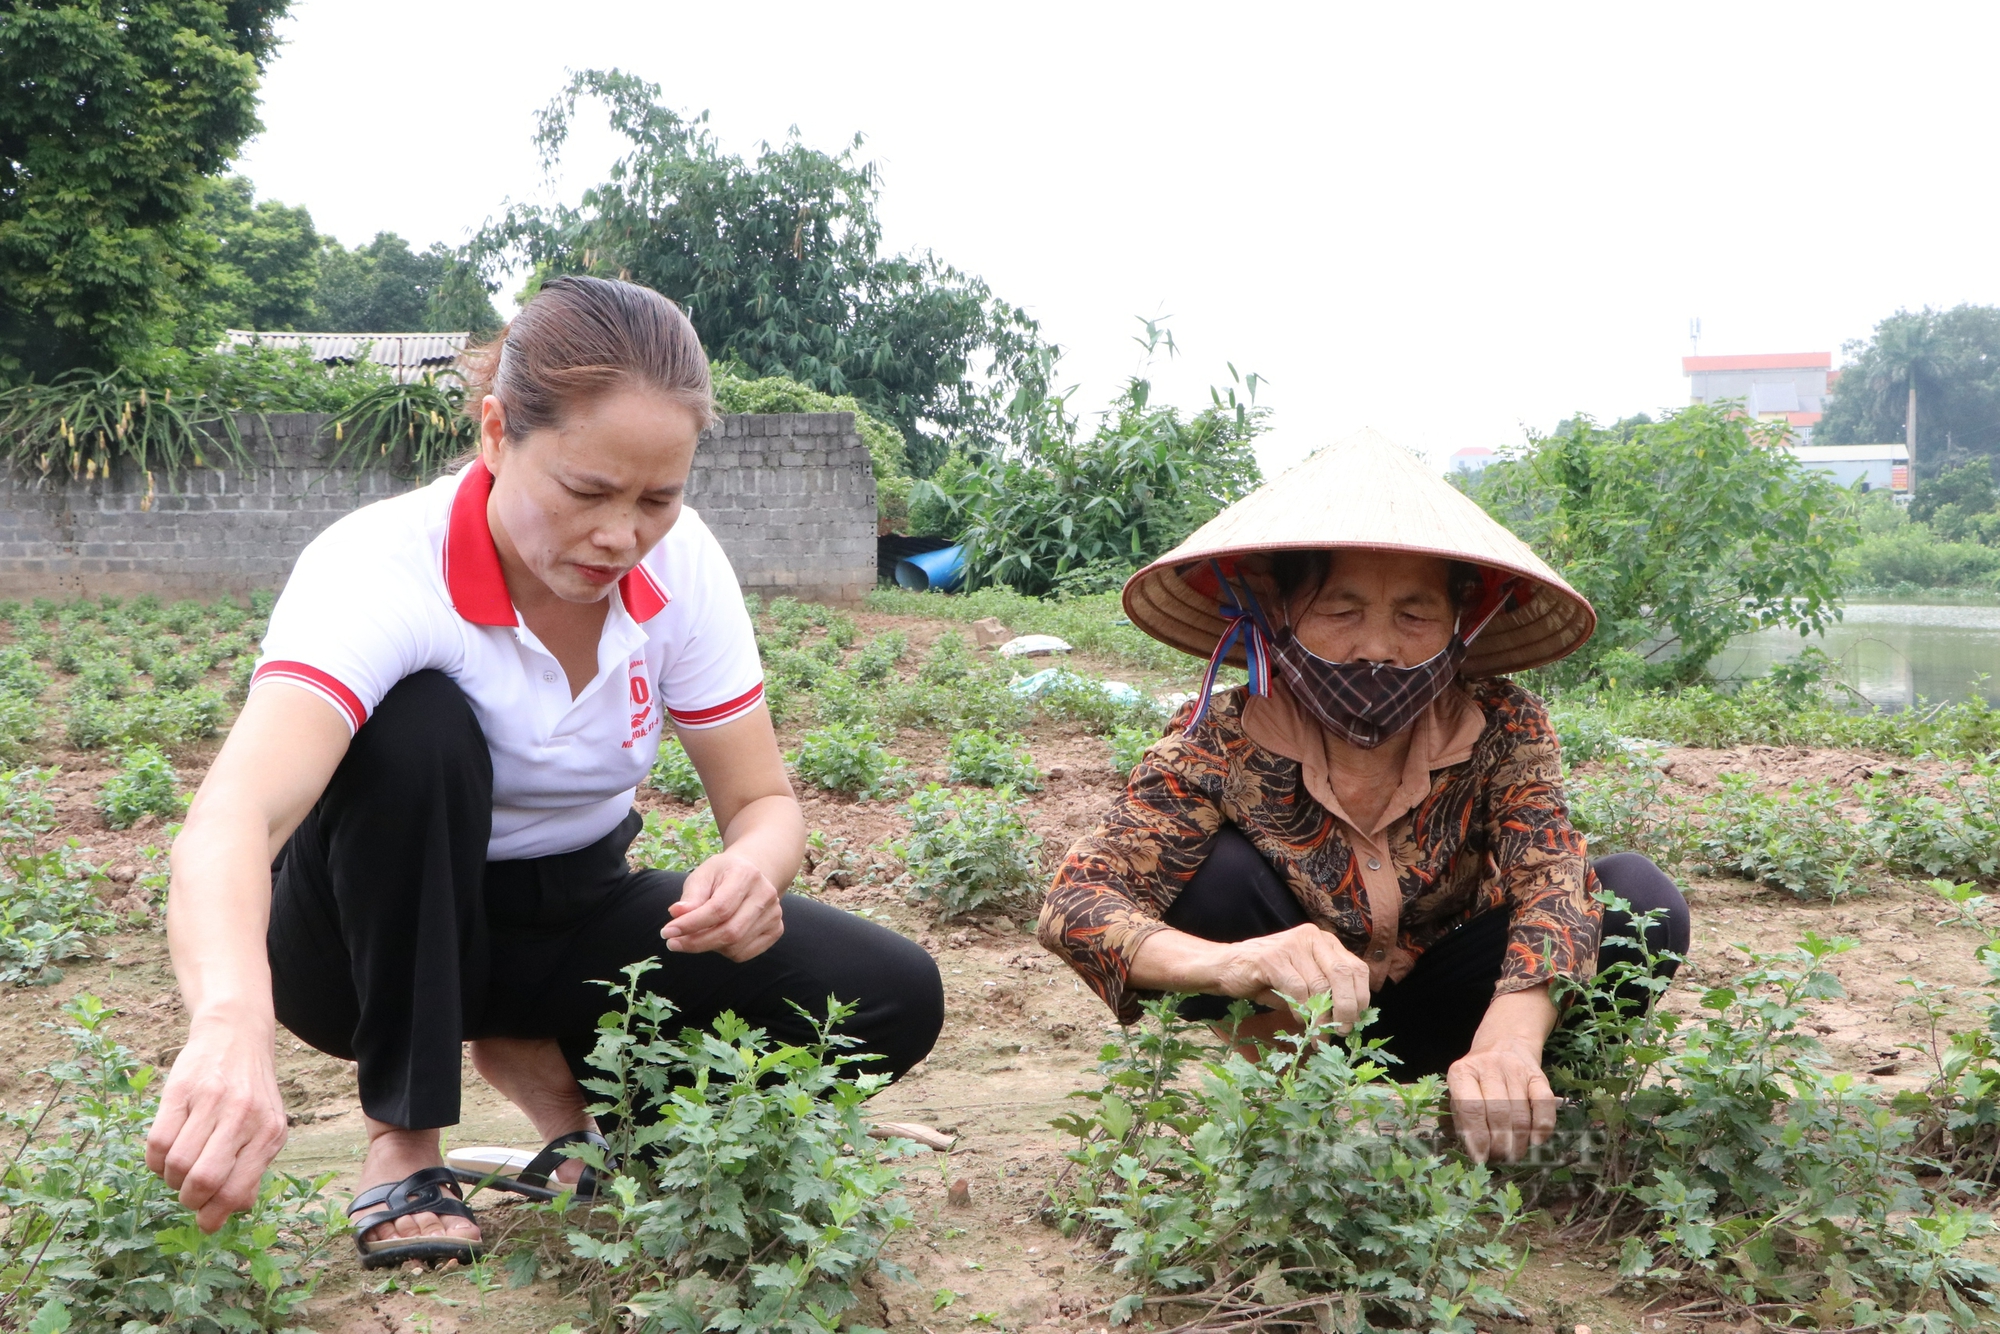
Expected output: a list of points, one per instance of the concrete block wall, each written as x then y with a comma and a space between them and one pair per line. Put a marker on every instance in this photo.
791, 497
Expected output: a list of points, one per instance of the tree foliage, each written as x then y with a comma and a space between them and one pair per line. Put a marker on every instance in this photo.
777, 260
386, 287
1954, 356
1682, 533
112, 116
266, 271
1072, 514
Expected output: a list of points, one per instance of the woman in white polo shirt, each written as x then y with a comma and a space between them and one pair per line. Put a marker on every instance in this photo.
415, 834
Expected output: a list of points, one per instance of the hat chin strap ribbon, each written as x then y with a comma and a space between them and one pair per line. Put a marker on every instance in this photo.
1244, 621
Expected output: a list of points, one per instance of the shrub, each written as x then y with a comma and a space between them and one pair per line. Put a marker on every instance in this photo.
19, 676
878, 658
1302, 1184
96, 1243
1626, 808
847, 759
1800, 843
1584, 735
751, 1196
25, 809
1128, 747
676, 845
1956, 834
967, 849
984, 760
156, 717
186, 618
674, 773
145, 784
1083, 699
980, 700
104, 677
845, 701
48, 911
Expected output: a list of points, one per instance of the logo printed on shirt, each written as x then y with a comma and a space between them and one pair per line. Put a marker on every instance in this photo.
643, 718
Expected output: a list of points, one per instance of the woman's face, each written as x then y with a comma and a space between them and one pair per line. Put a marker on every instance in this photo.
582, 501
1379, 606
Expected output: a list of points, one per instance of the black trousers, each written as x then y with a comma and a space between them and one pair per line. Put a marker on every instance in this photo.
1430, 1016
393, 940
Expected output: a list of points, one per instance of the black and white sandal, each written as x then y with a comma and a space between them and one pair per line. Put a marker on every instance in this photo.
525, 1173
431, 1190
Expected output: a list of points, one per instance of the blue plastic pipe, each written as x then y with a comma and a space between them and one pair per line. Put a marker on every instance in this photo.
942, 571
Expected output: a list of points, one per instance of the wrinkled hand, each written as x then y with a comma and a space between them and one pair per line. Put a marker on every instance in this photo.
1304, 961
1501, 1101
221, 1120
727, 906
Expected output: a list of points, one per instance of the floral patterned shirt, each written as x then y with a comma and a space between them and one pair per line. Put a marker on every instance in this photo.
1480, 823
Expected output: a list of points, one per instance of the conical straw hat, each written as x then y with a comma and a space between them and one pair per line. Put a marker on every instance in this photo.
1366, 491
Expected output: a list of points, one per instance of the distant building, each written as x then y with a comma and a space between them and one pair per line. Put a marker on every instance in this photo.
1876, 467
1774, 386
1473, 458
408, 355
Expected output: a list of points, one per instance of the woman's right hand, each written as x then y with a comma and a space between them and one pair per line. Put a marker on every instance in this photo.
1303, 961
221, 1120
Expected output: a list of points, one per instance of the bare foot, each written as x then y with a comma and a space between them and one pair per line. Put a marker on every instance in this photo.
394, 1153
532, 1074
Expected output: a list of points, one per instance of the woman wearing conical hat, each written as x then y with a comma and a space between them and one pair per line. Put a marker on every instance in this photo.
1378, 815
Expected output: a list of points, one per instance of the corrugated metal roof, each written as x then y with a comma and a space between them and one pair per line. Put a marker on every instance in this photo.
409, 355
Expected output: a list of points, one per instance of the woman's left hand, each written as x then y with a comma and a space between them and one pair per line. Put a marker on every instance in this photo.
1501, 1101
727, 906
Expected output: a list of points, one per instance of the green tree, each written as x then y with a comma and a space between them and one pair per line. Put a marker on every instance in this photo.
1929, 378
1074, 514
112, 116
385, 287
266, 270
1682, 533
777, 261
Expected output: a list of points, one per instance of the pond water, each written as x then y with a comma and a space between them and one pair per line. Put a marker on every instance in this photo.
1892, 653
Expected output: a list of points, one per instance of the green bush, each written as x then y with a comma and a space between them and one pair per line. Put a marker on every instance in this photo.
1584, 734
984, 760
1075, 698
953, 690
967, 849
1129, 746
1300, 1188
1800, 843
878, 658
25, 808
674, 773
1915, 557
1956, 834
19, 676
160, 718
145, 784
1626, 807
751, 1196
1733, 1160
96, 1243
1767, 712
48, 911
676, 845
847, 759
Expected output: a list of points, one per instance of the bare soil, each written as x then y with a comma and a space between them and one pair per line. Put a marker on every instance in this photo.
1021, 1034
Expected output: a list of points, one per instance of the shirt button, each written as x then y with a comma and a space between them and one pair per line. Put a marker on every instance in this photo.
1374, 865
1379, 955
549, 677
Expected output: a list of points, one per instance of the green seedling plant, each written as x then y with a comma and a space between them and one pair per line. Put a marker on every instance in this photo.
980, 759
967, 849
93, 1242
850, 760
1801, 842
1128, 747
1964, 899
145, 784
1627, 806
1299, 1188
49, 913
748, 1194
675, 845
674, 773
1953, 833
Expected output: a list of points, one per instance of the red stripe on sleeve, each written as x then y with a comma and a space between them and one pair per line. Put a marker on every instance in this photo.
719, 713
304, 674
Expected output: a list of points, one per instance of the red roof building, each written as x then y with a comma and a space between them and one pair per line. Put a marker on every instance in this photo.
1772, 386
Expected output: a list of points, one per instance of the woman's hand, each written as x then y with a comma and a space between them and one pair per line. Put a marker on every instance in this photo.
1303, 961
221, 1120
1500, 1099
727, 906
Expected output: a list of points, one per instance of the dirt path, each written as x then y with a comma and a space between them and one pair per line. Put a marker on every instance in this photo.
1020, 1035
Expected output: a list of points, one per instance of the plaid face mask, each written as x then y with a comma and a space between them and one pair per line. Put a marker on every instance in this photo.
1364, 702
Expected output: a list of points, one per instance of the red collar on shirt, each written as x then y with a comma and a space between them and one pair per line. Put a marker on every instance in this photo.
472, 572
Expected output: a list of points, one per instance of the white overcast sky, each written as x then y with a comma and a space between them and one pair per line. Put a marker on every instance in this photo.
1444, 221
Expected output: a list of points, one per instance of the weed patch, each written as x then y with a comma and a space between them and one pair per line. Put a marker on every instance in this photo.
674, 773
1800, 843
967, 849
850, 760
145, 784
675, 845
984, 760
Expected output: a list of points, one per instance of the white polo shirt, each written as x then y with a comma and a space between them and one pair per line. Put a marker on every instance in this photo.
415, 582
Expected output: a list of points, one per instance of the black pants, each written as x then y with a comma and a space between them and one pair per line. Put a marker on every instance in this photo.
393, 940
1430, 1016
